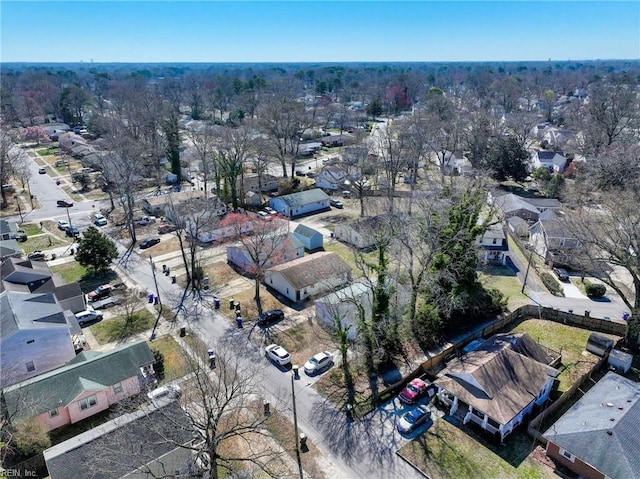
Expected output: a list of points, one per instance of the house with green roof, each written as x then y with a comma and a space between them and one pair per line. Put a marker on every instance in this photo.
86, 385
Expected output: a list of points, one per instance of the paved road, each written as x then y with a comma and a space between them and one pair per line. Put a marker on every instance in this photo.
611, 306
363, 449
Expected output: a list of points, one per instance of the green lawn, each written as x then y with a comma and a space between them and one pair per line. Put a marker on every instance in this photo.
445, 451
505, 280
568, 340
117, 329
70, 272
176, 363
42, 242
31, 229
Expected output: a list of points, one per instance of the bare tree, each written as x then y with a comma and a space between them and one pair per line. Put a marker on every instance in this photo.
283, 120
232, 152
265, 244
11, 159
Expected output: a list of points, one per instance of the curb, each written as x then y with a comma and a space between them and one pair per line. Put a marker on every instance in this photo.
416, 468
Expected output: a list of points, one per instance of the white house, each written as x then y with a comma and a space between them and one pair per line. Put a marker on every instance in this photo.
344, 306
282, 248
312, 275
361, 233
331, 178
492, 245
553, 160
498, 385
36, 335
302, 203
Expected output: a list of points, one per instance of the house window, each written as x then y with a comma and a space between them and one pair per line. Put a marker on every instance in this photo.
87, 402
30, 366
493, 423
567, 455
478, 414
53, 413
117, 388
495, 241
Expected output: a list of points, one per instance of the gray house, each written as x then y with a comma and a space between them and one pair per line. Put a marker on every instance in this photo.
26, 276
302, 203
36, 335
310, 238
157, 432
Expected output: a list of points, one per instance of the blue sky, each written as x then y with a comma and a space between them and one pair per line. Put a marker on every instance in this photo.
307, 31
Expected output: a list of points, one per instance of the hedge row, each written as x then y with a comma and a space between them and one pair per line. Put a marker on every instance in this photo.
595, 290
552, 285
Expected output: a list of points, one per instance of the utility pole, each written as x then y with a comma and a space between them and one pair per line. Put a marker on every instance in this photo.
526, 275
295, 426
155, 281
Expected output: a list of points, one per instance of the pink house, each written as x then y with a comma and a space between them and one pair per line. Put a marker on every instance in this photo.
86, 385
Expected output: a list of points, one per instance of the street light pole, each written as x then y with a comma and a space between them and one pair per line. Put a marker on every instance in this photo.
68, 216
295, 426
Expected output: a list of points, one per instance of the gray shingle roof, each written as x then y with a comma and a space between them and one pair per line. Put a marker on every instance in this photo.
304, 197
511, 202
101, 454
29, 311
312, 269
601, 429
304, 230
58, 387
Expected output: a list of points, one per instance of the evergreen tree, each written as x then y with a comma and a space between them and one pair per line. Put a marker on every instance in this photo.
96, 251
173, 145
507, 159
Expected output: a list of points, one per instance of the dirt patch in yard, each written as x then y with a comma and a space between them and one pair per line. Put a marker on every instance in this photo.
166, 245
303, 340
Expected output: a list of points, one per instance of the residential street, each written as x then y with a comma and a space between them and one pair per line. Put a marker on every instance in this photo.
364, 449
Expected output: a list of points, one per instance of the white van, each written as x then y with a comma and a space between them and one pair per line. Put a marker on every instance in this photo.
164, 393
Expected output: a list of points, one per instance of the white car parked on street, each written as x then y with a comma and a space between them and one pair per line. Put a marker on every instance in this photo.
278, 354
319, 363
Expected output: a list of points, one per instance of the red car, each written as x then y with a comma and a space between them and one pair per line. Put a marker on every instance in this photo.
100, 292
415, 390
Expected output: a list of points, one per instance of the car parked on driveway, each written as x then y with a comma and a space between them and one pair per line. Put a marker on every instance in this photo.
145, 220
88, 317
319, 363
336, 204
63, 225
149, 242
561, 274
270, 317
162, 229
263, 215
411, 420
100, 292
278, 354
64, 203
36, 256
416, 389
42, 171
164, 393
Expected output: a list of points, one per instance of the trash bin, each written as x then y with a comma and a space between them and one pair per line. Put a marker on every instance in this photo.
303, 440
53, 256
72, 251
232, 304
183, 332
164, 268
156, 300
239, 322
205, 282
295, 369
151, 298
173, 279
216, 303
267, 407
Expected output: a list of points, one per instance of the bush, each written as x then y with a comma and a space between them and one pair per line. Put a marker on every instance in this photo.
595, 290
552, 285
